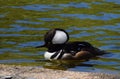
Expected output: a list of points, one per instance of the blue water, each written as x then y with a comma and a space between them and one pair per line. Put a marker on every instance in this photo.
104, 16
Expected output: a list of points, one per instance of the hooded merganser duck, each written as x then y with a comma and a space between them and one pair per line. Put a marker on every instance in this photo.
56, 40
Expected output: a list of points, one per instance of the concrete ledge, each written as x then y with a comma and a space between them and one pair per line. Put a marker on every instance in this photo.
25, 72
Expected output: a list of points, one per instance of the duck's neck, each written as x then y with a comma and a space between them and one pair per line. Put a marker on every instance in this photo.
55, 47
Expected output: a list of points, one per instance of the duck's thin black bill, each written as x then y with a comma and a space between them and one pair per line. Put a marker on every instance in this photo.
40, 46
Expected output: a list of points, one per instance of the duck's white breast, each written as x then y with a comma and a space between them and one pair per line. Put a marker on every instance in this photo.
48, 55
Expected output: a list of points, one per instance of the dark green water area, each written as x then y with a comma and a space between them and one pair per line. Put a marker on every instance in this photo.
23, 24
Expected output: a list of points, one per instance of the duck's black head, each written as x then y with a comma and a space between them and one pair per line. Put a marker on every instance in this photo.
55, 39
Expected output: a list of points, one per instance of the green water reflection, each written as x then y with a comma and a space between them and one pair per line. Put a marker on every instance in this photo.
23, 24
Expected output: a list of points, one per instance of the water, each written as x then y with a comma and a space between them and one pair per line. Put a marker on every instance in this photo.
24, 23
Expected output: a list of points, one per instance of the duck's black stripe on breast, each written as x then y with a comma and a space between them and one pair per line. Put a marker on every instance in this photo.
61, 54
54, 55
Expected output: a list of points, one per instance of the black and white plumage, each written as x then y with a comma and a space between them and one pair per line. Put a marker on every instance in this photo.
56, 40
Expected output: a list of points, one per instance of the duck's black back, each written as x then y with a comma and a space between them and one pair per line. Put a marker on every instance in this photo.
74, 47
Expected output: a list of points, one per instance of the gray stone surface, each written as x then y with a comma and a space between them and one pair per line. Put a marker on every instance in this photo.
22, 72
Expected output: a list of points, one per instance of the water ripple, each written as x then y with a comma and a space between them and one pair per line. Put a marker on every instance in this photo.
101, 62
115, 27
18, 35
109, 47
8, 49
30, 44
16, 61
27, 22
76, 5
18, 28
38, 7
82, 34
2, 15
103, 16
114, 1
49, 19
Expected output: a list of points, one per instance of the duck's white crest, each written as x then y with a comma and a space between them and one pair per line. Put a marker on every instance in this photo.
60, 37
